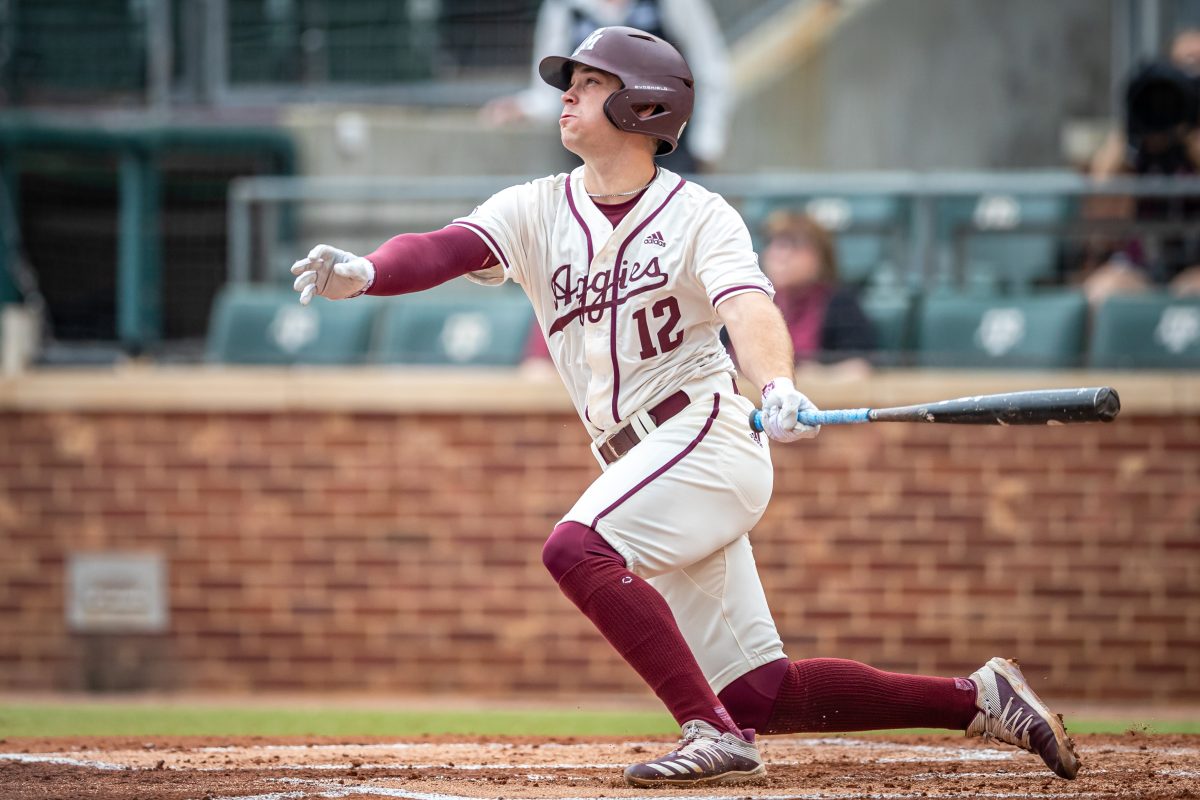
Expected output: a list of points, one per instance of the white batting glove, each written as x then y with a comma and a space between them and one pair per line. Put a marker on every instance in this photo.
781, 402
332, 273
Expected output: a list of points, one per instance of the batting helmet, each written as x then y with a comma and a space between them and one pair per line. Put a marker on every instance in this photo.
651, 71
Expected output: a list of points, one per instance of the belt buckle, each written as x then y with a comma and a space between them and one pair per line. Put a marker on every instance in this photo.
639, 424
605, 453
607, 450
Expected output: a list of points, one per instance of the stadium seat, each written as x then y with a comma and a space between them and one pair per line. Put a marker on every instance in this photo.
488, 328
1037, 330
891, 313
979, 231
253, 325
1147, 331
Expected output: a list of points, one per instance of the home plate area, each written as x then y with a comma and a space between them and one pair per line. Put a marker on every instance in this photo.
450, 768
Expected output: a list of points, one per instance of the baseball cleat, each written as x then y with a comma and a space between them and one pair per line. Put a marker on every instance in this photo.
703, 756
1011, 712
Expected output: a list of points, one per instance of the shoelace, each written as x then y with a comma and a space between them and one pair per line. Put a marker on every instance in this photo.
695, 752
1009, 726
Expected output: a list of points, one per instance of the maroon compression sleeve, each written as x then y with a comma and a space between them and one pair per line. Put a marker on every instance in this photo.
413, 262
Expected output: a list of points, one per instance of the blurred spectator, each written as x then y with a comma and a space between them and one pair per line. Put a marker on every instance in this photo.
826, 322
690, 25
1161, 137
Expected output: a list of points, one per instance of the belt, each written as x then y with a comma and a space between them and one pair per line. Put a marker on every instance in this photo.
624, 440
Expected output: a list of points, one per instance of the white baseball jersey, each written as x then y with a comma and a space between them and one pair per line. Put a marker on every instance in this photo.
630, 317
629, 313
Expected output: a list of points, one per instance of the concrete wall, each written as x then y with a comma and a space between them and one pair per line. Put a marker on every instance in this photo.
934, 84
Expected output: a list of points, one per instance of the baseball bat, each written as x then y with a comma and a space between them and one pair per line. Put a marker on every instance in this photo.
1038, 407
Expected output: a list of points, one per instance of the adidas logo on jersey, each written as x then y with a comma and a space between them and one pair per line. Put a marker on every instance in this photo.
655, 238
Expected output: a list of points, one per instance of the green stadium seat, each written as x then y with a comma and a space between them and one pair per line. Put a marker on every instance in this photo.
891, 313
449, 327
253, 325
994, 252
1147, 331
1036, 330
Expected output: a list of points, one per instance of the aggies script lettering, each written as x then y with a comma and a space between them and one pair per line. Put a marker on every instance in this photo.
590, 296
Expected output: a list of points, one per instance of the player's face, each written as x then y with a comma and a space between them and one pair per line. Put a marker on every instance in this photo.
583, 127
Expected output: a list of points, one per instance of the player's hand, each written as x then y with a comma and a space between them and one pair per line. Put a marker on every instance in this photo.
332, 273
781, 402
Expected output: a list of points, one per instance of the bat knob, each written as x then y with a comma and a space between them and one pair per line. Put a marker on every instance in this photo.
756, 420
1108, 404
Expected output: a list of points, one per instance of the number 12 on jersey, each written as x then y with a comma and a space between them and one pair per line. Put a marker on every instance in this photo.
668, 338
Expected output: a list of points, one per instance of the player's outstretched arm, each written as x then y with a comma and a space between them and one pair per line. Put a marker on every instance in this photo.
332, 273
410, 262
764, 348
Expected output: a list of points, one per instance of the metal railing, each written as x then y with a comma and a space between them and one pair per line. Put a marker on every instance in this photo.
930, 248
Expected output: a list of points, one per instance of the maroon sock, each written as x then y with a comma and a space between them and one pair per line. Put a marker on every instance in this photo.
751, 697
833, 694
635, 619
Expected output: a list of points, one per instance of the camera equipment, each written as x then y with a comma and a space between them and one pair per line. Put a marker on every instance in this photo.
1162, 104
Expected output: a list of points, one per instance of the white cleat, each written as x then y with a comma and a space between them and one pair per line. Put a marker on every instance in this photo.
1011, 712
703, 756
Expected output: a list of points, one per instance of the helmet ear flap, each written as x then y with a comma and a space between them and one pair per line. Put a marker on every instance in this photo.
621, 105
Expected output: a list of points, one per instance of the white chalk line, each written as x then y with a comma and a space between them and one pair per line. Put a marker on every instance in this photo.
926, 753
327, 791
1037, 774
324, 789
341, 766
58, 758
417, 745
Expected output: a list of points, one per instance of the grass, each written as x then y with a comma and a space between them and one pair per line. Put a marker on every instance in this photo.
114, 719
139, 720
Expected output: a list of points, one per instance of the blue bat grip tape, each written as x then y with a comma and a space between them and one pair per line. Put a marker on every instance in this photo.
836, 416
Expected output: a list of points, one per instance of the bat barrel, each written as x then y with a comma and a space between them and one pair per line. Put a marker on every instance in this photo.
1040, 407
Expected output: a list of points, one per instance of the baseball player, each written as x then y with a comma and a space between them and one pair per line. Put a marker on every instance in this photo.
632, 272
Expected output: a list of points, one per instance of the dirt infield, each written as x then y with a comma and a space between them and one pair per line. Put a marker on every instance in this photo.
451, 768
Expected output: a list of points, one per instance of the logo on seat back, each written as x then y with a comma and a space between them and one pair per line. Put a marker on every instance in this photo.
655, 238
1000, 330
1178, 328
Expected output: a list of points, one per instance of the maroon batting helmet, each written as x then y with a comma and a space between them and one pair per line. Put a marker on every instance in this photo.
651, 71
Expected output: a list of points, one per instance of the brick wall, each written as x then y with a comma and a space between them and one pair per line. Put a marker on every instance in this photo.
401, 551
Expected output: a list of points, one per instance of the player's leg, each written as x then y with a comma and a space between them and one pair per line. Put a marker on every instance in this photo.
836, 695
669, 503
635, 619
723, 615
828, 695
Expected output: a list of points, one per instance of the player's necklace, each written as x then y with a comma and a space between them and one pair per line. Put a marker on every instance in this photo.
631, 191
